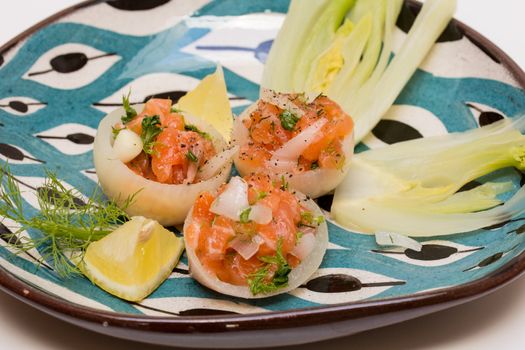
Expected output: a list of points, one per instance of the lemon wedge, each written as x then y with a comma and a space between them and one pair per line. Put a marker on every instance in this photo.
210, 102
132, 261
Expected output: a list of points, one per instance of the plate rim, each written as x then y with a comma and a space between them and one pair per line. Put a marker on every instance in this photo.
303, 317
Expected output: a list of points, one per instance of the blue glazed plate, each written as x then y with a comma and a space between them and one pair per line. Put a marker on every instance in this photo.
60, 78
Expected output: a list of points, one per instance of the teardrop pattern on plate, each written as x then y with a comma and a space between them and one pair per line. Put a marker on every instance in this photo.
194, 306
8, 236
17, 155
62, 67
260, 52
144, 87
21, 105
393, 131
404, 123
485, 115
156, 85
490, 260
342, 285
70, 138
408, 15
33, 187
136, 5
433, 253
15, 239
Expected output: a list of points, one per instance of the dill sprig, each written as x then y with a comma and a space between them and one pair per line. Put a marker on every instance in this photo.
273, 275
68, 221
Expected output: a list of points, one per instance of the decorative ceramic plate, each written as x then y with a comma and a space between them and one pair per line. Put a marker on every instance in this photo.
62, 76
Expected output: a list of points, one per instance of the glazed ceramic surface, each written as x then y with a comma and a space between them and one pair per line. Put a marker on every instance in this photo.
57, 83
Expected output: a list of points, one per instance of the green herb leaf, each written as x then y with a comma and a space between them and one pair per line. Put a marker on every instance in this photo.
116, 131
314, 166
284, 184
243, 218
288, 120
189, 127
261, 195
308, 219
67, 220
191, 157
175, 110
130, 111
150, 130
262, 281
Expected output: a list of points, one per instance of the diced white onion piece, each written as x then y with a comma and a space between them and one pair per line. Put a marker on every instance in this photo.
282, 101
292, 149
397, 240
261, 214
127, 145
216, 163
247, 247
233, 200
192, 172
305, 246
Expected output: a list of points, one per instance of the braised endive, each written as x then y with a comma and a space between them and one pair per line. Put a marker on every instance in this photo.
411, 188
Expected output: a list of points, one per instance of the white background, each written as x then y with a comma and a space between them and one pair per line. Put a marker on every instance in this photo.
495, 321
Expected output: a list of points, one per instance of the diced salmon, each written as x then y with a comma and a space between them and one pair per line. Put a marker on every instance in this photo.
214, 251
135, 124
169, 160
332, 156
267, 133
172, 120
157, 106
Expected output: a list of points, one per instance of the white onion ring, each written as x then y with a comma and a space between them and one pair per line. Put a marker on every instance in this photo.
292, 150
297, 276
246, 247
216, 163
313, 183
168, 204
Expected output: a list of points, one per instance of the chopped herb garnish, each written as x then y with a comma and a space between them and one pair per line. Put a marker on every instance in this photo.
314, 165
288, 120
116, 131
298, 236
191, 157
308, 219
284, 184
245, 214
175, 110
150, 130
213, 220
189, 127
261, 195
130, 111
262, 281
